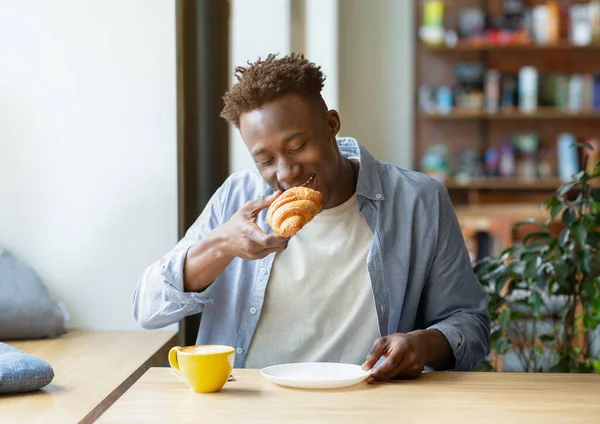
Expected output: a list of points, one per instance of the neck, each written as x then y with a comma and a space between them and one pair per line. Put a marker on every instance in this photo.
348, 174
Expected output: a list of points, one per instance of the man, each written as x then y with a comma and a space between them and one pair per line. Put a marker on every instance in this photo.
381, 277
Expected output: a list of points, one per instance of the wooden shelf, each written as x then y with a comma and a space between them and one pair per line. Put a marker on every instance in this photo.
541, 113
493, 183
470, 47
476, 130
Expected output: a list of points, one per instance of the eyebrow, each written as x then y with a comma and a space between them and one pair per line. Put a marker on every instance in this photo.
285, 140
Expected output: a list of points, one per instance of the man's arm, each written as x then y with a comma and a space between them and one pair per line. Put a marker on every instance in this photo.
180, 284
454, 302
160, 298
454, 310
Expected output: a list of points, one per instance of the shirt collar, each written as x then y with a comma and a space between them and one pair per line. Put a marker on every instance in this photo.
369, 182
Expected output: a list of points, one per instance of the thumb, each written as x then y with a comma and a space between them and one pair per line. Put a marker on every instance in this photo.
268, 199
253, 207
378, 349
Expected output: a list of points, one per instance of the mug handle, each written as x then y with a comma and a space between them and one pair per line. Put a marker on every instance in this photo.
173, 359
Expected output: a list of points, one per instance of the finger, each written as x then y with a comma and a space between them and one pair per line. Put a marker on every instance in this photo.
277, 249
259, 254
253, 207
264, 240
392, 366
378, 349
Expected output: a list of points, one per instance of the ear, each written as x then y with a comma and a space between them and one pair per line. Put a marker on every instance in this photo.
334, 123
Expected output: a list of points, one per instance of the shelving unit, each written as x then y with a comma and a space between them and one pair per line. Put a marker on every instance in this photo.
478, 130
541, 113
469, 47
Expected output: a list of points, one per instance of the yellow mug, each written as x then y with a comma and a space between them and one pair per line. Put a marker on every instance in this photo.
205, 368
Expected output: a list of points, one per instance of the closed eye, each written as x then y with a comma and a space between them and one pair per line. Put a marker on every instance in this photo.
265, 163
302, 146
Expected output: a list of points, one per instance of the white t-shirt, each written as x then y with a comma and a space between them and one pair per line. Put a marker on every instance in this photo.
319, 304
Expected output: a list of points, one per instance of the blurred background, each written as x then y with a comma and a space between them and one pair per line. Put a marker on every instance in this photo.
111, 143
93, 101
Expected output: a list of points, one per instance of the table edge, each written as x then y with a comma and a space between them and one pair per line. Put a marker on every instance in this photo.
111, 398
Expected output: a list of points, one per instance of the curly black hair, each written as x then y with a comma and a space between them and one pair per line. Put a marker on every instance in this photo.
271, 78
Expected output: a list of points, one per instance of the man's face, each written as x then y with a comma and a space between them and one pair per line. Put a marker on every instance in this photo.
294, 145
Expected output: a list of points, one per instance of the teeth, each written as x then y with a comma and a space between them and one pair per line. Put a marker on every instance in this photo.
308, 182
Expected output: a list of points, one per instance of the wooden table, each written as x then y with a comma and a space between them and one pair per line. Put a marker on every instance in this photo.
160, 396
91, 370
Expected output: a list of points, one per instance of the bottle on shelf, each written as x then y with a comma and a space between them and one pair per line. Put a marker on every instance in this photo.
568, 161
528, 89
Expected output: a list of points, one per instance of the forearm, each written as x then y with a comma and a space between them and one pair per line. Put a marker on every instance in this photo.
205, 261
436, 352
468, 334
158, 300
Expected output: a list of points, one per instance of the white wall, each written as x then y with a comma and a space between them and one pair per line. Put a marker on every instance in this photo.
258, 27
376, 74
322, 44
88, 190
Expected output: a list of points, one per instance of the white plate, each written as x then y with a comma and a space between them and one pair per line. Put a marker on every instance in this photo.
315, 375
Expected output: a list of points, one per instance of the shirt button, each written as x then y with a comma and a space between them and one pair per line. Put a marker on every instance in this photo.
239, 350
263, 270
378, 196
252, 311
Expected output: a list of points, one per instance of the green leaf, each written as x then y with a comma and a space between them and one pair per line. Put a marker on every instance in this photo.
597, 366
547, 339
504, 318
563, 238
538, 350
563, 311
568, 217
561, 367
537, 236
515, 315
555, 210
595, 194
525, 222
541, 280
579, 233
553, 287
589, 289
583, 145
593, 239
537, 304
590, 322
484, 366
561, 269
533, 249
565, 188
581, 176
501, 346
585, 260
531, 268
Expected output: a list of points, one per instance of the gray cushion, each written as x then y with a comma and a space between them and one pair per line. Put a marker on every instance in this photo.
26, 309
21, 372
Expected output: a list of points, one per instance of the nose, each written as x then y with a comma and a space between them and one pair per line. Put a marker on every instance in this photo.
288, 173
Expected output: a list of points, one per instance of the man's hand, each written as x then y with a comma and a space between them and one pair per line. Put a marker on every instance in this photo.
402, 358
244, 239
406, 354
238, 237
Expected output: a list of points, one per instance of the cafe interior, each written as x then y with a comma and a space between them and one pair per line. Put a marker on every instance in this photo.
111, 145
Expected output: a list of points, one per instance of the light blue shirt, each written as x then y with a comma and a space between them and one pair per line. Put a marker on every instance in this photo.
418, 264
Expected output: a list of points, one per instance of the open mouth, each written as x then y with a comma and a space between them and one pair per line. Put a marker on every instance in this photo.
308, 183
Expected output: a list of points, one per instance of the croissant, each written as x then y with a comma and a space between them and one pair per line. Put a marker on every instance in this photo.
293, 209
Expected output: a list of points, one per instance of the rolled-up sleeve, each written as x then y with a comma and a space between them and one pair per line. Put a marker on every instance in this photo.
455, 303
159, 298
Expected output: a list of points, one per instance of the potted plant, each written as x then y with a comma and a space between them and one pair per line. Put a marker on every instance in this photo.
545, 291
